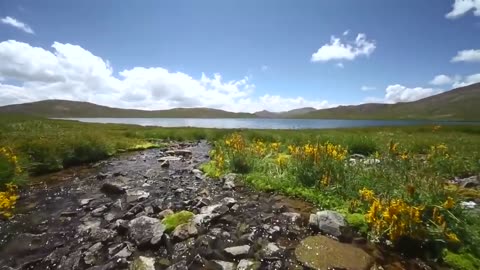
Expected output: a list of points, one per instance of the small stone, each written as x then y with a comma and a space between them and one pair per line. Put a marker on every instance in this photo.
85, 202
228, 201
68, 214
102, 176
99, 211
112, 188
248, 265
235, 208
163, 159
121, 226
179, 191
91, 254
165, 213
124, 253
196, 171
184, 231
165, 164
146, 230
143, 263
371, 161
115, 248
270, 250
329, 222
292, 216
238, 251
223, 265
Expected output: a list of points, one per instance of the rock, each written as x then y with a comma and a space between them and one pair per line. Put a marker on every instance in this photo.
115, 248
238, 251
271, 250
183, 152
143, 263
134, 195
468, 205
184, 231
235, 208
181, 265
320, 252
165, 164
165, 213
85, 202
124, 253
357, 156
371, 161
112, 188
145, 230
228, 201
469, 182
121, 226
248, 265
223, 265
90, 255
292, 216
229, 181
98, 212
196, 171
328, 222
179, 191
168, 159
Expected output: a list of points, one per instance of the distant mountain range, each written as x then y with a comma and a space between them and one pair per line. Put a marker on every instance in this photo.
458, 104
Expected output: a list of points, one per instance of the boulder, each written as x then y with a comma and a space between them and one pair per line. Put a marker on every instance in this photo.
143, 263
248, 265
145, 230
320, 252
223, 265
328, 222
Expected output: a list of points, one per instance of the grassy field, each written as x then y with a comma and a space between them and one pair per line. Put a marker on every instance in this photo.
397, 191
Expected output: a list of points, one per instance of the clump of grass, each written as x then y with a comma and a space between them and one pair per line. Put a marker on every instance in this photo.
172, 221
363, 145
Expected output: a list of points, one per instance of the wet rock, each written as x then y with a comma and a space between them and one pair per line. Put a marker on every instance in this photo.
245, 264
228, 201
181, 265
165, 213
98, 212
168, 159
124, 253
469, 182
292, 216
328, 222
183, 152
235, 208
133, 211
184, 231
223, 265
271, 250
112, 188
71, 262
146, 230
134, 195
91, 254
320, 252
102, 176
115, 248
68, 214
196, 171
143, 263
273, 232
179, 191
238, 251
165, 164
102, 235
121, 226
85, 202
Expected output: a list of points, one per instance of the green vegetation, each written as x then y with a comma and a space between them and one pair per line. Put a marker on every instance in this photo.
172, 221
462, 261
400, 189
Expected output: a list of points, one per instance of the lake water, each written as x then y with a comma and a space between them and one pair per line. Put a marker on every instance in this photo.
257, 123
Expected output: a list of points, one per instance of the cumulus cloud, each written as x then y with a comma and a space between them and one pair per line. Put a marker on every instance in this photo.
367, 88
467, 56
344, 50
71, 72
399, 93
461, 7
17, 24
467, 80
441, 80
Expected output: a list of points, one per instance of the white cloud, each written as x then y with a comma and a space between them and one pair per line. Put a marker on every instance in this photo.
367, 88
17, 24
73, 73
461, 7
339, 50
468, 80
467, 56
441, 80
346, 32
399, 93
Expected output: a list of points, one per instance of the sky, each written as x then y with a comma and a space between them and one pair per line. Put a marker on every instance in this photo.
235, 55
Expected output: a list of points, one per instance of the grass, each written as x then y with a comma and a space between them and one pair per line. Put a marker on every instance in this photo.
172, 221
402, 196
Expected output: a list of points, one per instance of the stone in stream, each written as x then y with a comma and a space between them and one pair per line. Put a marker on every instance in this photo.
271, 250
248, 265
184, 231
146, 230
229, 181
112, 187
183, 152
90, 255
328, 222
134, 195
320, 252
165, 164
238, 251
143, 263
168, 159
223, 265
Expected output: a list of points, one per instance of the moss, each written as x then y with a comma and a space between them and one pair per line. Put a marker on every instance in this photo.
209, 169
172, 221
461, 261
358, 222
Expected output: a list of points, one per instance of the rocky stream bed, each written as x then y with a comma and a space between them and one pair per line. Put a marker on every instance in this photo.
108, 216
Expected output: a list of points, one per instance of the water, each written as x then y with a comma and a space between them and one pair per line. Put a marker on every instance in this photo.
258, 123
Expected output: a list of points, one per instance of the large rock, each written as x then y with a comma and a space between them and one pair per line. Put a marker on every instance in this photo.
184, 231
113, 187
229, 181
223, 265
329, 222
248, 265
320, 252
146, 230
143, 263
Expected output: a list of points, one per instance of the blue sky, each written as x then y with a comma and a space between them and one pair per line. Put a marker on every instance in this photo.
270, 54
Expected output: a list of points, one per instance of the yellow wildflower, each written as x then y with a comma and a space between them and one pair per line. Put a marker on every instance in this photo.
449, 203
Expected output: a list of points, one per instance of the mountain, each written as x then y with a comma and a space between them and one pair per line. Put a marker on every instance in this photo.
458, 104
66, 108
286, 114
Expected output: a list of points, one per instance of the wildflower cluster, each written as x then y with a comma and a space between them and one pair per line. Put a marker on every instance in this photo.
235, 142
8, 156
318, 151
8, 199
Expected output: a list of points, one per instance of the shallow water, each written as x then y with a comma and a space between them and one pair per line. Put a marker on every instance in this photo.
259, 123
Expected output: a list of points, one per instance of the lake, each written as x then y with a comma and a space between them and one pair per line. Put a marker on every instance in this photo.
260, 123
